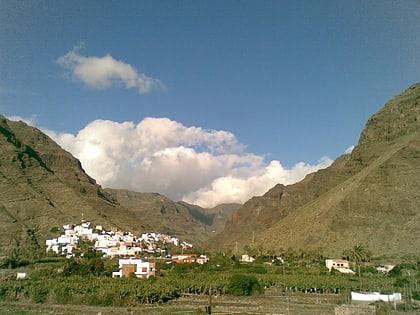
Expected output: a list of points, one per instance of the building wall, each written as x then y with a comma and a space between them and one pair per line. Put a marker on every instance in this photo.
127, 269
355, 310
336, 263
142, 269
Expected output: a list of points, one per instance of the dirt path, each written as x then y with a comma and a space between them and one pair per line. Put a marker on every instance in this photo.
264, 304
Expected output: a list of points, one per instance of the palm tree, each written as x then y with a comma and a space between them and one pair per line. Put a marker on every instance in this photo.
358, 254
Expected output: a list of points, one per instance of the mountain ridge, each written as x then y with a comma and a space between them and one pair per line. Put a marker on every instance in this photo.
367, 196
181, 219
43, 186
382, 172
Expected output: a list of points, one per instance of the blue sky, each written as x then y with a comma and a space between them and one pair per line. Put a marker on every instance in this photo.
277, 84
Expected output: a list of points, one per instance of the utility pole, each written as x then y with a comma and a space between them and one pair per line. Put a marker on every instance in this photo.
208, 308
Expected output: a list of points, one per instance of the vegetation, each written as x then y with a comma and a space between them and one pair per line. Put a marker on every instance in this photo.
87, 280
243, 284
358, 255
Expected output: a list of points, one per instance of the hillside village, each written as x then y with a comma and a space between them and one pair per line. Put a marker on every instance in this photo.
127, 246
115, 243
112, 243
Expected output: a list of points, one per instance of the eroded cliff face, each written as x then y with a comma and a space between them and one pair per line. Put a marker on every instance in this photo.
371, 196
399, 117
43, 186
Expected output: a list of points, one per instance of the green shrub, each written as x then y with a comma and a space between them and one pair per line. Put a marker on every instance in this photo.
381, 308
54, 230
395, 272
248, 268
39, 293
401, 282
241, 284
3, 291
63, 295
13, 262
83, 267
416, 295
260, 270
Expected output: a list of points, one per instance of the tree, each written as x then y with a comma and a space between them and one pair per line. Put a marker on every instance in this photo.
359, 255
241, 284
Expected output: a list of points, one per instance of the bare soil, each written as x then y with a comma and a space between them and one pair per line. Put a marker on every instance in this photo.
271, 303
301, 304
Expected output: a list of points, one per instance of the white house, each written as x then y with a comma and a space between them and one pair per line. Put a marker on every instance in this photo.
385, 268
68, 248
175, 241
102, 243
21, 275
51, 242
64, 239
136, 266
340, 265
112, 242
375, 296
68, 226
202, 259
184, 258
69, 232
247, 258
54, 248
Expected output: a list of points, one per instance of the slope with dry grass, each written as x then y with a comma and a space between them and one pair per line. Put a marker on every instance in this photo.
370, 197
42, 186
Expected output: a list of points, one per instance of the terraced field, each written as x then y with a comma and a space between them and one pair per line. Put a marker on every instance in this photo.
271, 303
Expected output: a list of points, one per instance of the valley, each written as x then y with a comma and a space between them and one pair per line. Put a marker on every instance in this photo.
363, 209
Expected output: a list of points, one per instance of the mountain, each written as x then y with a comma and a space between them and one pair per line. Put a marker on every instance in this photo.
188, 222
163, 215
369, 197
216, 217
42, 186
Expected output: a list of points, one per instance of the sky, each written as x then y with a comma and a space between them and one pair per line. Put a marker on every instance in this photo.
204, 101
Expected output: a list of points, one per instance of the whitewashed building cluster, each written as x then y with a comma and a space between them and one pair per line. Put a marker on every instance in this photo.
110, 242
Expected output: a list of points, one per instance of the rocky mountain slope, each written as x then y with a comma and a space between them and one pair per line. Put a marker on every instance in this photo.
215, 218
42, 186
369, 197
189, 222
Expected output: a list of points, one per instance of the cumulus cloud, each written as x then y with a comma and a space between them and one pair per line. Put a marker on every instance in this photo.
241, 188
204, 167
105, 72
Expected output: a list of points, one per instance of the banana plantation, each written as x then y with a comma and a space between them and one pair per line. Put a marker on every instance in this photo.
88, 281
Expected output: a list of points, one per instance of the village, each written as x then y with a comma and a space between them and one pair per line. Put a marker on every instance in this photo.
132, 251
111, 242
115, 243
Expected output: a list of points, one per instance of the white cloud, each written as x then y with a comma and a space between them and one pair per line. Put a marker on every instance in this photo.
105, 72
204, 167
241, 188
